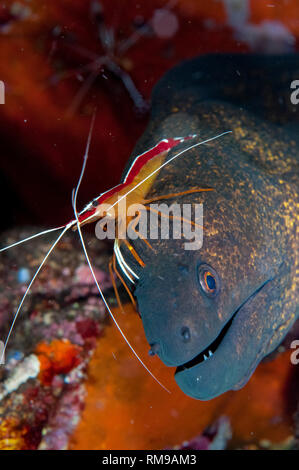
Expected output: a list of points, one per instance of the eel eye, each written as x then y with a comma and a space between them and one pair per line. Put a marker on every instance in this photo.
209, 280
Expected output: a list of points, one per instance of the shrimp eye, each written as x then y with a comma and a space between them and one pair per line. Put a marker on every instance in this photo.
208, 280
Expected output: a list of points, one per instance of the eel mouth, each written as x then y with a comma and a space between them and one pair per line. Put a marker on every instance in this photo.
208, 352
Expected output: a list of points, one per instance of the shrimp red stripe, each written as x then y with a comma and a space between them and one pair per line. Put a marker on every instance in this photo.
164, 145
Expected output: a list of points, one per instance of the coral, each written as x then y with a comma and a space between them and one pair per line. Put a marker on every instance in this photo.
28, 368
214, 437
58, 357
11, 435
42, 382
61, 425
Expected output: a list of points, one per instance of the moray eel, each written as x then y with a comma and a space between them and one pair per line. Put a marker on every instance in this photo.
250, 240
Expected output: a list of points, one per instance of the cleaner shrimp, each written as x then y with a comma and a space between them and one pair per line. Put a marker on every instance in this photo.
134, 188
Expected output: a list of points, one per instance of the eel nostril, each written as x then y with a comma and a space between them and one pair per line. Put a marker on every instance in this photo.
155, 347
185, 333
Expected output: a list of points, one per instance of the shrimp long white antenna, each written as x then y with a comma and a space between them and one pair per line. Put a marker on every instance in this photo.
74, 203
30, 285
104, 299
65, 229
44, 232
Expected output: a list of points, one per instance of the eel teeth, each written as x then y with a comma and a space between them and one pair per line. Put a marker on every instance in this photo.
210, 353
205, 357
